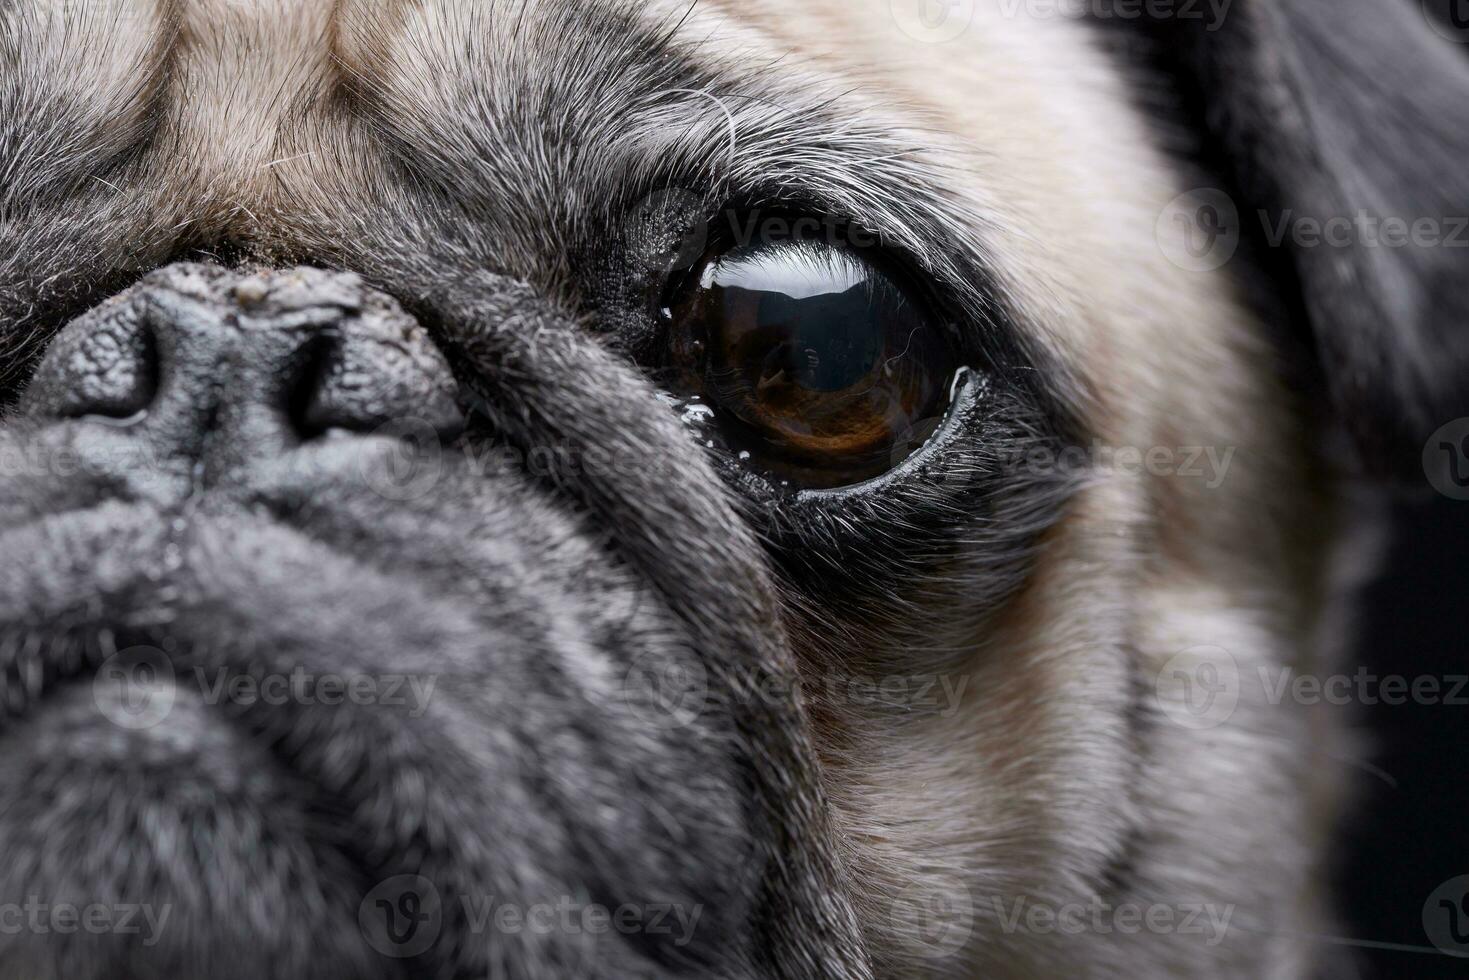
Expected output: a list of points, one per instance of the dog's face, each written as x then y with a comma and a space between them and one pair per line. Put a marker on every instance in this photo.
758, 482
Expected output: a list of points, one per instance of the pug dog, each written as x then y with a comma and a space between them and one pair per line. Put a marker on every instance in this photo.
584, 488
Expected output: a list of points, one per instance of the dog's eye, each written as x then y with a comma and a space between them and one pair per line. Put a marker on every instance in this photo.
815, 361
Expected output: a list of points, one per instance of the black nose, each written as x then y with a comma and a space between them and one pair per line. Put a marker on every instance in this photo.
207, 370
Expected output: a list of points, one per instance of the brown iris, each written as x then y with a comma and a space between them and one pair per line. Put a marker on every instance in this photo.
813, 358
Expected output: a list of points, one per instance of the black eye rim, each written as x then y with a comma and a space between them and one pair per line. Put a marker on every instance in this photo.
964, 413
898, 274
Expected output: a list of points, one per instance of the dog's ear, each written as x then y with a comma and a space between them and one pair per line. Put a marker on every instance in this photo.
1358, 111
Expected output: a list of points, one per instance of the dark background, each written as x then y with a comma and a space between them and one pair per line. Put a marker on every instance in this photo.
1401, 839
1408, 830
1400, 842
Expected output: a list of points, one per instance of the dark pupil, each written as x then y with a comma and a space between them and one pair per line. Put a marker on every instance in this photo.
830, 341
798, 321
813, 349
814, 359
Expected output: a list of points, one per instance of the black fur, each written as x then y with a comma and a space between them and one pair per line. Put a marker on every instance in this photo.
1320, 109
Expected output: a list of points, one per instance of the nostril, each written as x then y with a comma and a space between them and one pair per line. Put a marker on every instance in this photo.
114, 372
310, 374
361, 383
